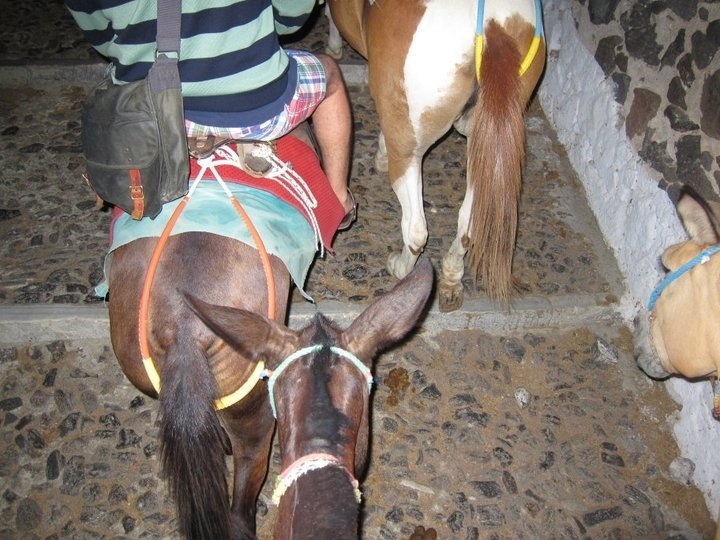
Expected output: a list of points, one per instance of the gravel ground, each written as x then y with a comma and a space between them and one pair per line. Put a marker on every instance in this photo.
534, 434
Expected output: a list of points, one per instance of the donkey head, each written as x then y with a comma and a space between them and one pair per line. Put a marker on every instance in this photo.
319, 377
685, 316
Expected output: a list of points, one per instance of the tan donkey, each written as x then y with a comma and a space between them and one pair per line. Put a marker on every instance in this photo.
682, 336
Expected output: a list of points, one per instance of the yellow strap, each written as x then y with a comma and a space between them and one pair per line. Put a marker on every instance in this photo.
244, 390
221, 403
530, 56
478, 55
524, 66
152, 373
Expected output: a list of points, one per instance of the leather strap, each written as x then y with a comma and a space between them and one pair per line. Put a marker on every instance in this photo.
137, 194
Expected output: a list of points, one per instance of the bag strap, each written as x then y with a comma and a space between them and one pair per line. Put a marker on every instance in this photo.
163, 74
169, 14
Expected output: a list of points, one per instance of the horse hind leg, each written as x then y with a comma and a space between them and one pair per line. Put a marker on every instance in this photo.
408, 189
334, 47
381, 156
251, 449
450, 288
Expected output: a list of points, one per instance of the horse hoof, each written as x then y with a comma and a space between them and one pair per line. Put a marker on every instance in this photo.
450, 297
395, 266
421, 533
336, 54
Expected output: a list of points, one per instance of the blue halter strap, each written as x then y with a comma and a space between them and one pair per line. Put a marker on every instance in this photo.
272, 376
700, 258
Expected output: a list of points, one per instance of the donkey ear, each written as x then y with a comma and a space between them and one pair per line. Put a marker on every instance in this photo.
392, 316
251, 334
697, 218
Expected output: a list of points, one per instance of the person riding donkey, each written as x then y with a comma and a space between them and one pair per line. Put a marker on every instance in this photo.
238, 86
238, 82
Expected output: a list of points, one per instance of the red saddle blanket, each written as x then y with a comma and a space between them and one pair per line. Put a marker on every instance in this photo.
303, 160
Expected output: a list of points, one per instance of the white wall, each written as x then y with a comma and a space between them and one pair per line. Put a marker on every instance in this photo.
634, 214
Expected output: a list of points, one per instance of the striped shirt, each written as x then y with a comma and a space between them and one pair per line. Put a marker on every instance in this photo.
233, 70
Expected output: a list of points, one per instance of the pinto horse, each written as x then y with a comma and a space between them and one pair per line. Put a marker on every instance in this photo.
319, 386
211, 400
433, 64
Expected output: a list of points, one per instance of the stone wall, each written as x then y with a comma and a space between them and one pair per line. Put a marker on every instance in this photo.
662, 58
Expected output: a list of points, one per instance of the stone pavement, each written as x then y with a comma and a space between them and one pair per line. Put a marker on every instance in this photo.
527, 422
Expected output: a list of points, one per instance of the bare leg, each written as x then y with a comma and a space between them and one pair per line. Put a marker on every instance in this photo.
332, 122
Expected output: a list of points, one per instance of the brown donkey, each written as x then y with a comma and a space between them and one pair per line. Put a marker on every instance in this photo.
212, 400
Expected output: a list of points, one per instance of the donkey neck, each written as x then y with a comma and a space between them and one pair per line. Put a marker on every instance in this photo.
330, 506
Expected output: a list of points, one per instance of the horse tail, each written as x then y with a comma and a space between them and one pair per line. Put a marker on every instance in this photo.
191, 442
496, 150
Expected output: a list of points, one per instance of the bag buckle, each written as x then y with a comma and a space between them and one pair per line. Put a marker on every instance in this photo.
137, 194
175, 55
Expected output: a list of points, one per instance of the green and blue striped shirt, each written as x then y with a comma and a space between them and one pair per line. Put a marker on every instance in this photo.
233, 70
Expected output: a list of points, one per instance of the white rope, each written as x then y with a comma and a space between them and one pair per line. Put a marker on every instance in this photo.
306, 464
280, 173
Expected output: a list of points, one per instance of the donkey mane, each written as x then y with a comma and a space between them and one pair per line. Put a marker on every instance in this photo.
327, 422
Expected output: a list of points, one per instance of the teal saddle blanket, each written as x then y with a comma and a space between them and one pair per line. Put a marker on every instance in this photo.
286, 233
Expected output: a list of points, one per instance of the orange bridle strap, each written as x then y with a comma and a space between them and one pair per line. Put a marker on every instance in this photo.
143, 322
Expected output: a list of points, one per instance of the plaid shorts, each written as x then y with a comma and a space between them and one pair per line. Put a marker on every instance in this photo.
310, 91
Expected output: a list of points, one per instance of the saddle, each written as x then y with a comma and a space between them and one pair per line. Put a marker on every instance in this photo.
253, 153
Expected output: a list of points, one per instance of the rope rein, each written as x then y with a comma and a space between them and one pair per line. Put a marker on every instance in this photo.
205, 165
281, 172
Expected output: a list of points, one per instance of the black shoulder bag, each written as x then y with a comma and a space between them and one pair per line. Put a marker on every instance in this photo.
133, 135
